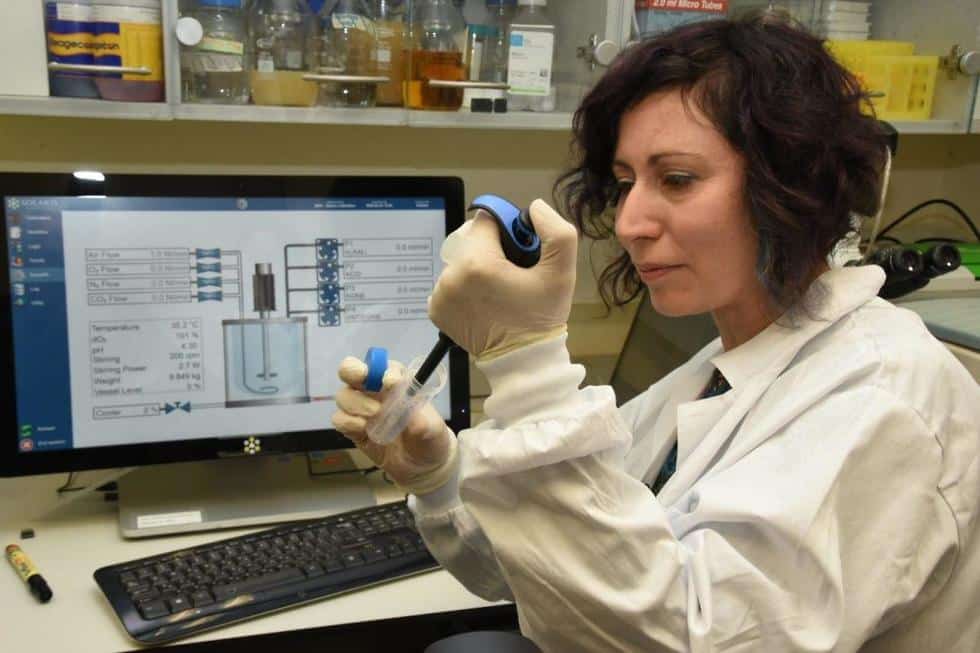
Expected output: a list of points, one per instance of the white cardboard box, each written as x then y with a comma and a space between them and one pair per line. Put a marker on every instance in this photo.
24, 66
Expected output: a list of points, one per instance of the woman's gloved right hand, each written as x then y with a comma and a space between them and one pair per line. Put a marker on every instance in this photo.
422, 458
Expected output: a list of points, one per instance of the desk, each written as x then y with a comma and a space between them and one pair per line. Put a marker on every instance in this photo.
73, 540
956, 322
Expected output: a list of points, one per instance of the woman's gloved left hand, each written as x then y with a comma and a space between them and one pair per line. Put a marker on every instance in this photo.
422, 458
488, 305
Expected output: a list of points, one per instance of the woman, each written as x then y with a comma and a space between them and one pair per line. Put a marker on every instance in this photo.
826, 446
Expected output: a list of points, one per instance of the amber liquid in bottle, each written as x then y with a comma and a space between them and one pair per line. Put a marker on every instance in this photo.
423, 65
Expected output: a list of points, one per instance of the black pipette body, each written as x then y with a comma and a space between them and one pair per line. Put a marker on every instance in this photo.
522, 247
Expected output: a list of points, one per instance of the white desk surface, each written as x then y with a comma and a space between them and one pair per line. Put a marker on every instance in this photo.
73, 540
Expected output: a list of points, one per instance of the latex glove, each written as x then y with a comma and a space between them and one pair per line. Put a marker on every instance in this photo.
422, 458
488, 305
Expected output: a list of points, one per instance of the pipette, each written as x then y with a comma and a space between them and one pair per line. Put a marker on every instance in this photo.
522, 247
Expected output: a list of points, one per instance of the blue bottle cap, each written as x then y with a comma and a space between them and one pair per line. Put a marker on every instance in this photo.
377, 362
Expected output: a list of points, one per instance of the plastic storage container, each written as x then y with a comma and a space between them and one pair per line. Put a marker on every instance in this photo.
855, 55
129, 34
215, 67
435, 65
279, 48
531, 58
907, 84
902, 84
348, 46
71, 41
390, 24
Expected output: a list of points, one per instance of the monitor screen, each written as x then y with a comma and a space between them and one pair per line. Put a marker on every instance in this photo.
167, 318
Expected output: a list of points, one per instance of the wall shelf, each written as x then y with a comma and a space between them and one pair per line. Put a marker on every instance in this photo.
518, 120
387, 117
928, 126
83, 108
291, 115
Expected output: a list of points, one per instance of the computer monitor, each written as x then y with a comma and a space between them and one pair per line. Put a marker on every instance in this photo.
168, 318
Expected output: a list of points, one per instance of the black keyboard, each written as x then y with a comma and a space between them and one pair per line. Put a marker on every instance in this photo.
180, 593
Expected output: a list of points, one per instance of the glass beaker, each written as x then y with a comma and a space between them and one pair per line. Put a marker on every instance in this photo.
348, 46
280, 33
438, 35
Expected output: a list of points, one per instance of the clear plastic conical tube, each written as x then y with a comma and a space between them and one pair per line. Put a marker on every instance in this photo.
403, 400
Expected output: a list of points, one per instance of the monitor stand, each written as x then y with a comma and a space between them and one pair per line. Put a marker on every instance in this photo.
232, 492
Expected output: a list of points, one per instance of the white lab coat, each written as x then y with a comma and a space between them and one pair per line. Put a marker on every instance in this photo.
828, 502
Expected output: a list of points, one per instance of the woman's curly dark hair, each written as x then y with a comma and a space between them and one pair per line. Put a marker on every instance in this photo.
782, 102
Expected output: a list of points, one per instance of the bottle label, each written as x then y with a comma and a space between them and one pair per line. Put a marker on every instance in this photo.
224, 46
137, 15
71, 12
212, 62
70, 35
131, 37
529, 62
352, 21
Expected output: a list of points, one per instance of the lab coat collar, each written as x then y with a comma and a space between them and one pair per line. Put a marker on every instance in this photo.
834, 294
704, 426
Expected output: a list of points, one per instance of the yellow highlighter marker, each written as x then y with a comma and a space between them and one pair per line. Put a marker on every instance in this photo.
27, 571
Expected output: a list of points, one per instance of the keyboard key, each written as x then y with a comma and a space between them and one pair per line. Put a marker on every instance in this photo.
253, 585
178, 603
312, 570
153, 609
201, 598
333, 564
352, 560
373, 554
145, 594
